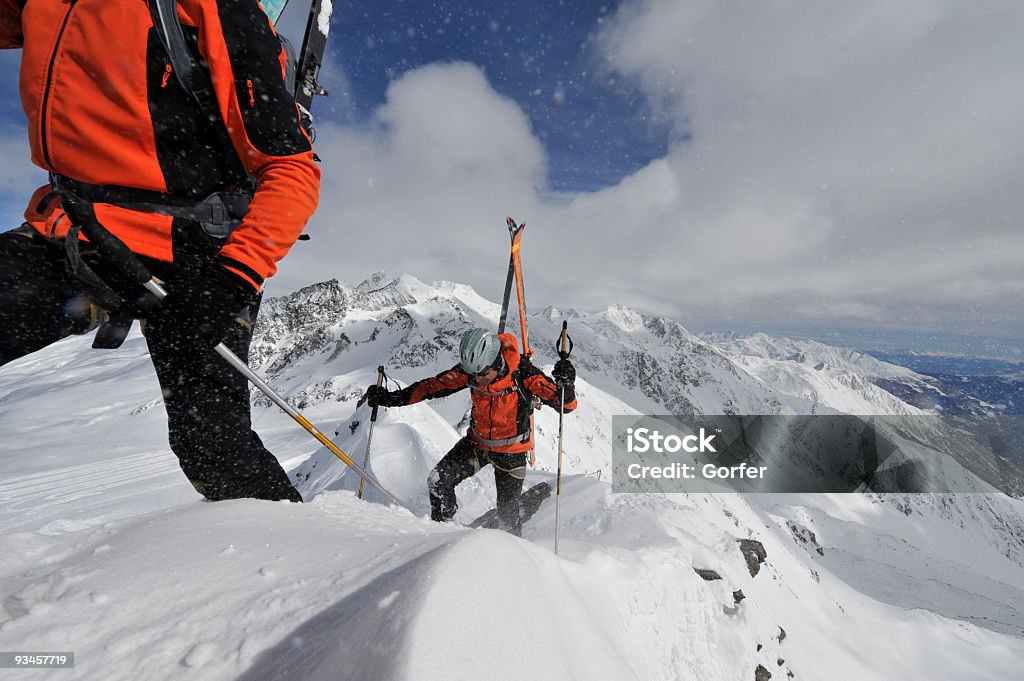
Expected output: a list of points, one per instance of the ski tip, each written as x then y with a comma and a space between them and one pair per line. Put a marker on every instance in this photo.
514, 229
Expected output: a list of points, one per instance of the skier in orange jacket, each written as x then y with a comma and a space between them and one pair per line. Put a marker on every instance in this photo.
503, 386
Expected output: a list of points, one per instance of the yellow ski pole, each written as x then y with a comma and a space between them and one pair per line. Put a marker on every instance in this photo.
244, 369
115, 251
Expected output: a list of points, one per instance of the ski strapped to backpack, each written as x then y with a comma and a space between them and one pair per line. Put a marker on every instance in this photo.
516, 234
516, 254
311, 57
515, 271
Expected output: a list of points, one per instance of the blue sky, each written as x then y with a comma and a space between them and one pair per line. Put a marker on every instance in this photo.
595, 127
829, 169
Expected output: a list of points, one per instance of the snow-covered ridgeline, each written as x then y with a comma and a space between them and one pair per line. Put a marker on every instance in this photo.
143, 582
324, 333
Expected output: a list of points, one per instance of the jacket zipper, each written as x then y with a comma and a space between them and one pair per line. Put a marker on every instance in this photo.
44, 109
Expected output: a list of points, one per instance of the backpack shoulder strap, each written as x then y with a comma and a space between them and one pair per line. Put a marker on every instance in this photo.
192, 78
518, 378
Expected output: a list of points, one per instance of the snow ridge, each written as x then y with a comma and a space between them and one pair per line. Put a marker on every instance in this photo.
108, 552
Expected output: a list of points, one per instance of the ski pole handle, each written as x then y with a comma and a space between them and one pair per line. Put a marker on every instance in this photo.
110, 247
564, 345
380, 382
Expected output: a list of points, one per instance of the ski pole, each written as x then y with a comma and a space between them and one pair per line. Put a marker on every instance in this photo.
244, 369
116, 252
369, 436
563, 348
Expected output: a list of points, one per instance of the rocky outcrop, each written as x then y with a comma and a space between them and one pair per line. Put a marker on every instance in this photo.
754, 553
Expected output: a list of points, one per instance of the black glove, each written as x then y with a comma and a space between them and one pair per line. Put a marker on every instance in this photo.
379, 396
203, 305
564, 372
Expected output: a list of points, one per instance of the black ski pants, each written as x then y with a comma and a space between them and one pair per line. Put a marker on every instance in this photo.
207, 401
465, 460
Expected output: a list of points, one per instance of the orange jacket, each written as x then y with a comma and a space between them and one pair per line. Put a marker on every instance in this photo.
104, 108
501, 410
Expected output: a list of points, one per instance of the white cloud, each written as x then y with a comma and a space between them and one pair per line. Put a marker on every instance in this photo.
425, 188
861, 149
835, 162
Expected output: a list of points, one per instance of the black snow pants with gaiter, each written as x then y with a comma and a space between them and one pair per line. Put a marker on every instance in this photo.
463, 461
207, 401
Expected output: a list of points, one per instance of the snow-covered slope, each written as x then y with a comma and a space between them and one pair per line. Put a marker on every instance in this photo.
344, 589
808, 352
106, 551
841, 378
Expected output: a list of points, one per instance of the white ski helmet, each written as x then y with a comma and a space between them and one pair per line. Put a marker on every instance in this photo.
478, 350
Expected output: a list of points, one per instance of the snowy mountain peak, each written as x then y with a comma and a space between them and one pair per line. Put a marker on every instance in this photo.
380, 292
625, 318
554, 314
812, 353
375, 281
323, 333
